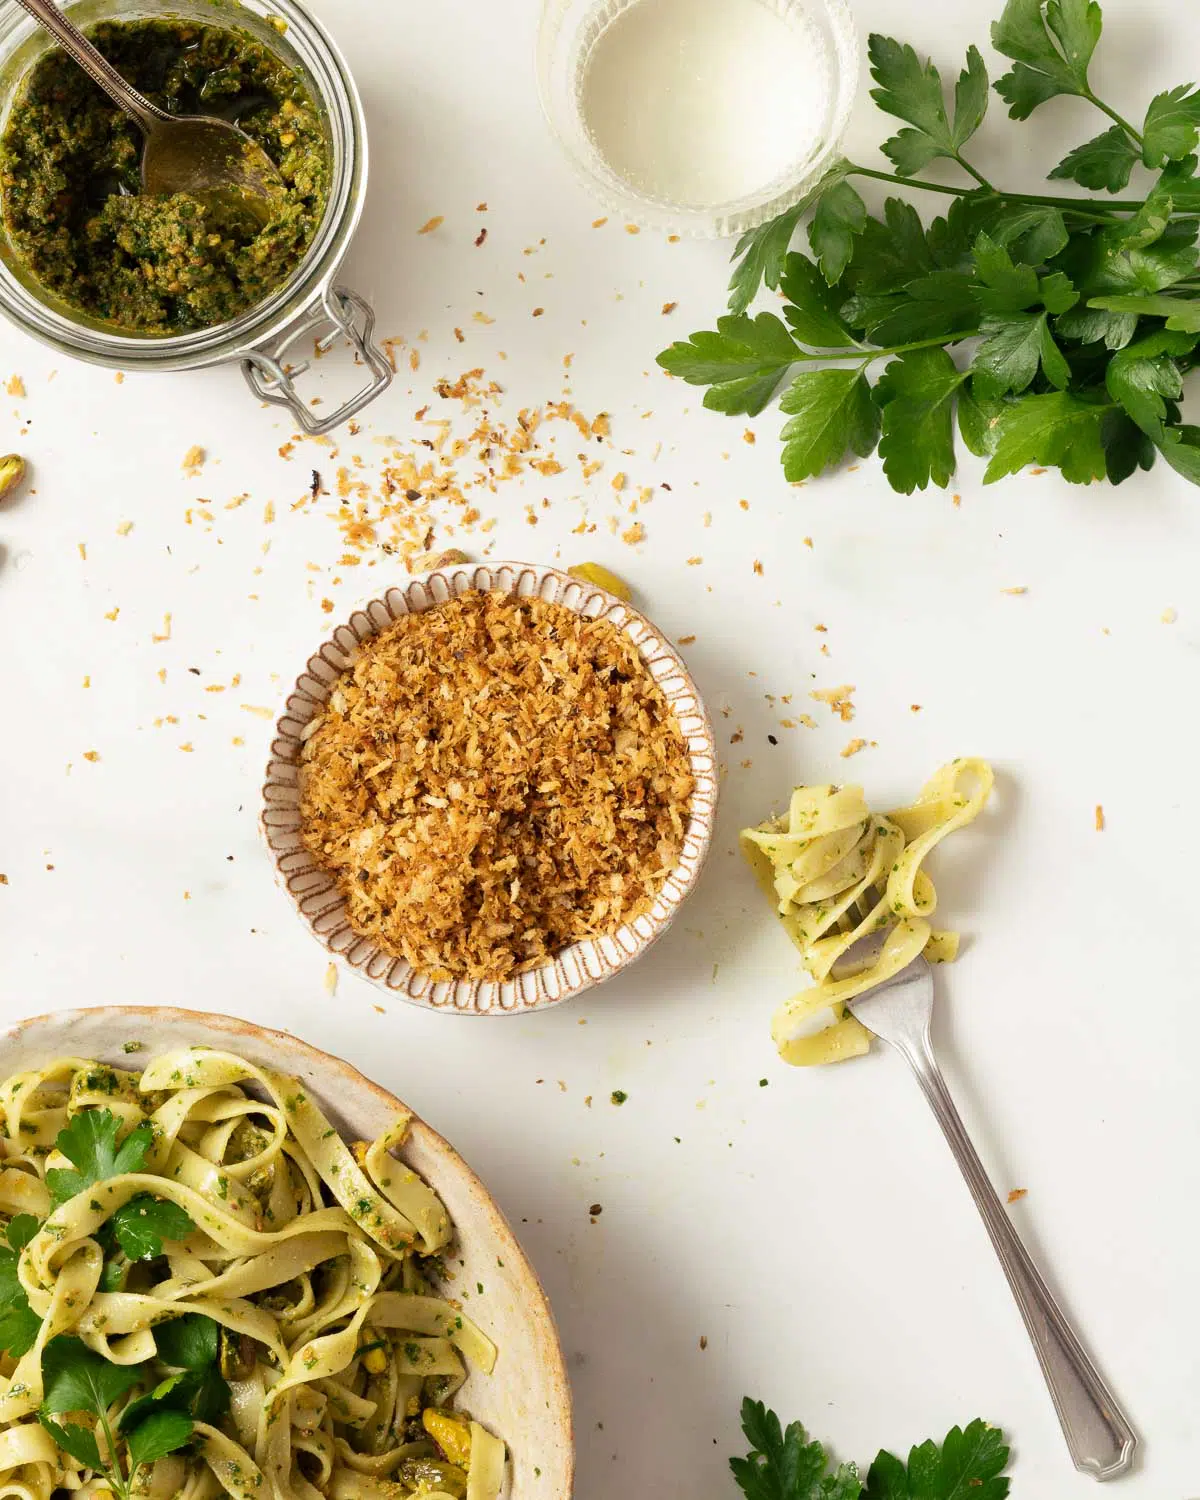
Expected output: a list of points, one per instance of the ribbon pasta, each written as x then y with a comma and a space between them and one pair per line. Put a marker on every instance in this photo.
836, 873
313, 1256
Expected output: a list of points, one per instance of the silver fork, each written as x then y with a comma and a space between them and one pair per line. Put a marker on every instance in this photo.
1098, 1434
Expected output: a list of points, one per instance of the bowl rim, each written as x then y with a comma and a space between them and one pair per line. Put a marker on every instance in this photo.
311, 891
532, 1293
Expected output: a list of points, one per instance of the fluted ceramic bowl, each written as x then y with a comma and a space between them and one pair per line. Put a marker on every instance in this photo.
313, 889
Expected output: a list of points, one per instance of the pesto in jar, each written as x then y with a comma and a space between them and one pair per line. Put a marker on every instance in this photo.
70, 179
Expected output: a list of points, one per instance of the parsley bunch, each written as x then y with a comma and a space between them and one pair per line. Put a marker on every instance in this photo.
784, 1465
1080, 316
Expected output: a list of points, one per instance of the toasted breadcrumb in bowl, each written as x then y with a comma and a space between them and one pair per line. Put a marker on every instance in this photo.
491, 788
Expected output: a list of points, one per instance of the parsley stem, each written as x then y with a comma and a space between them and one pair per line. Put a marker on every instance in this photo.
978, 176
113, 1474
826, 355
1089, 206
1113, 115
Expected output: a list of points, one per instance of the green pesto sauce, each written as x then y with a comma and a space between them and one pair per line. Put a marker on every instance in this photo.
70, 180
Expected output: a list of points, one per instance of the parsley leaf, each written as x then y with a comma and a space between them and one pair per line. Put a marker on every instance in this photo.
76, 1379
79, 1442
141, 1225
1183, 316
916, 392
1103, 162
1126, 447
1144, 377
840, 216
812, 310
21, 1229
783, 1465
1180, 446
89, 1142
743, 362
913, 92
832, 413
1051, 45
19, 1324
1172, 128
188, 1343
1057, 428
968, 1466
161, 1433
760, 254
979, 413
1014, 345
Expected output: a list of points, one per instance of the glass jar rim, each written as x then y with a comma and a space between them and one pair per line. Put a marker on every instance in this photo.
338, 95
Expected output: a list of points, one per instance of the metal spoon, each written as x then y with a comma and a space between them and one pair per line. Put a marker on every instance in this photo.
898, 1011
209, 159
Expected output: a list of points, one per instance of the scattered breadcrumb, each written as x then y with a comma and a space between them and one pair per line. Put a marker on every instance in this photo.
113, 613
686, 640
633, 229
1019, 589
599, 223
749, 437
634, 534
331, 979
852, 748
669, 307
838, 699
3, 879
15, 386
193, 460
1100, 821
92, 755
124, 528
1017, 1194
82, 550
257, 710
757, 567
431, 224
1169, 616
493, 780
165, 634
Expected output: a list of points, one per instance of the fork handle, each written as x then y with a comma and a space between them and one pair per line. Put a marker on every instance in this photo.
1098, 1434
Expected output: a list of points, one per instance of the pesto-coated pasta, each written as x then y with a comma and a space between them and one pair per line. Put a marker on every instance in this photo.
260, 1291
836, 873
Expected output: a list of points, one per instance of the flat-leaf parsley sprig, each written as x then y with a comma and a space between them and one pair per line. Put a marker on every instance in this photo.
784, 1465
1081, 315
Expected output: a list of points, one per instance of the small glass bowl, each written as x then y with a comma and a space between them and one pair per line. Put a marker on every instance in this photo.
570, 29
309, 305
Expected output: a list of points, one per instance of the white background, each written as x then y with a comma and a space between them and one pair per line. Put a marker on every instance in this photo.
814, 1230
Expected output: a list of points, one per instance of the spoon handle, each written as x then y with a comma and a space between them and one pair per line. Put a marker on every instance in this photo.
101, 72
1098, 1434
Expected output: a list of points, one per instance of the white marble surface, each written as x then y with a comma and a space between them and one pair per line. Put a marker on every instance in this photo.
813, 1230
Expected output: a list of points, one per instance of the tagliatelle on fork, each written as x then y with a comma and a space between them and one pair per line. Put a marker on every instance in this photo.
838, 872
251, 1286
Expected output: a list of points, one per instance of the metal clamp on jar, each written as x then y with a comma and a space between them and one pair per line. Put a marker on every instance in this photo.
275, 340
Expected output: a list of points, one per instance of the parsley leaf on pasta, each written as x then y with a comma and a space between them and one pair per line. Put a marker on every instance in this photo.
89, 1142
141, 1225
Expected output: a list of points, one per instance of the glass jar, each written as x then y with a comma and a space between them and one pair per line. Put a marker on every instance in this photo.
568, 42
309, 307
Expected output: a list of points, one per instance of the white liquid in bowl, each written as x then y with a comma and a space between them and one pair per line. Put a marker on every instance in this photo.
704, 102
